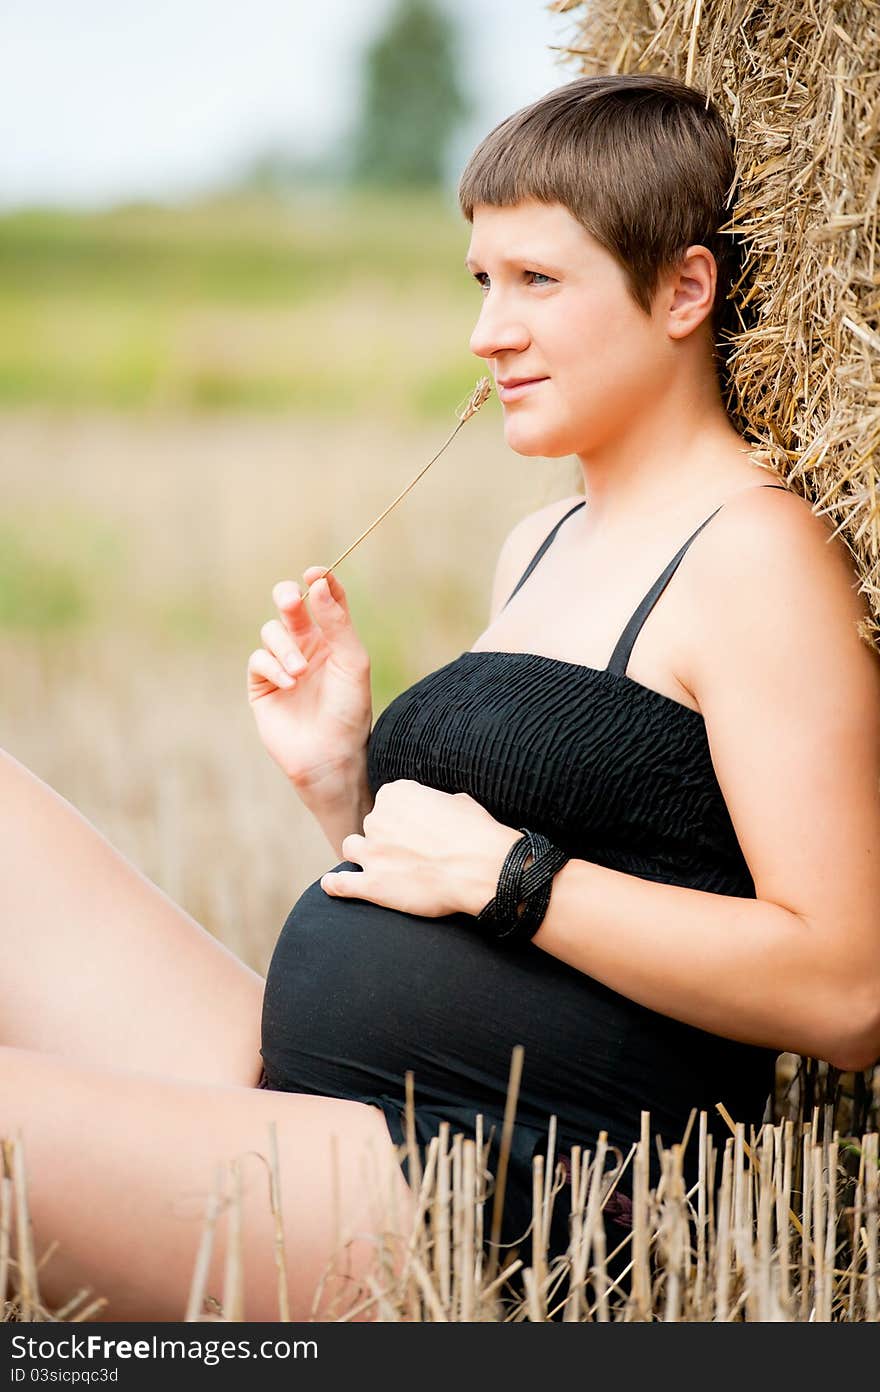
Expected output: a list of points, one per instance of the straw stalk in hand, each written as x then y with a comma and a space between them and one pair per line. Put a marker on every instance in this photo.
478, 396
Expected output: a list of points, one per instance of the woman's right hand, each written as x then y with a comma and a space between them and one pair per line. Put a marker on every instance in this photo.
309, 685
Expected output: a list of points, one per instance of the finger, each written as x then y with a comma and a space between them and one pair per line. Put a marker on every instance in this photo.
263, 668
352, 847
280, 643
345, 884
315, 574
288, 599
331, 612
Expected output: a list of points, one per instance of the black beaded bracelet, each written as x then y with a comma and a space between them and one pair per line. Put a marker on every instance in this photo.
519, 884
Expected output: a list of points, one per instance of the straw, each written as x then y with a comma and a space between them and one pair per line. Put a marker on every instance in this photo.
465, 411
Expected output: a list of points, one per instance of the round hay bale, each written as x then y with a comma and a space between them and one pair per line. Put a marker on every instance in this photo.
799, 87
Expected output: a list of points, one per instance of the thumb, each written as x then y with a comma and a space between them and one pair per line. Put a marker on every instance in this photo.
331, 612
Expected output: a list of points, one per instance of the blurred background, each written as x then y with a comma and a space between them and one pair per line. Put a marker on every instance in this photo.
235, 325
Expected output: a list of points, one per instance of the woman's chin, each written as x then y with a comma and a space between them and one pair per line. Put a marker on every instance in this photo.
533, 441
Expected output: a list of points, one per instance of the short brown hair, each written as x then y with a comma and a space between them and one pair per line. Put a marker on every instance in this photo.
644, 162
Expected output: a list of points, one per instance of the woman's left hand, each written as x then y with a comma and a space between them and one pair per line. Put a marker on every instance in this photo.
424, 852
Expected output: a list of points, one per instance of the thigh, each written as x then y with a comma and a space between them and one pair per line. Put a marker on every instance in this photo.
140, 1155
99, 965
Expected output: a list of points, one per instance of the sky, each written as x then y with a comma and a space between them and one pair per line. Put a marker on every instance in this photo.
104, 101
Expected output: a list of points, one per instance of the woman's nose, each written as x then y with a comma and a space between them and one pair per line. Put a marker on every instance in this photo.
494, 335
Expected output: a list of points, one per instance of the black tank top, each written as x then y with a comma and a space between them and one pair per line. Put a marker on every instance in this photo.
613, 771
619, 774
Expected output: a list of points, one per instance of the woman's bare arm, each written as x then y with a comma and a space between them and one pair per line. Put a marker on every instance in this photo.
791, 699
340, 809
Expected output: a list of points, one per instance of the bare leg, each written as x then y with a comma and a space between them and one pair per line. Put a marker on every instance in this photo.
99, 965
127, 1200
129, 1055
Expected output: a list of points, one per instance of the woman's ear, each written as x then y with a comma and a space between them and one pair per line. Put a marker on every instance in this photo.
690, 292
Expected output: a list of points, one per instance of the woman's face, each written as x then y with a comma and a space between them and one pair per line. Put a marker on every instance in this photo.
556, 306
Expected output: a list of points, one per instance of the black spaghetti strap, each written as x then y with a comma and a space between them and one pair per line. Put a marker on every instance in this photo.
539, 553
621, 655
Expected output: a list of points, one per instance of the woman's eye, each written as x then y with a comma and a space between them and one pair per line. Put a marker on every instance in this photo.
481, 277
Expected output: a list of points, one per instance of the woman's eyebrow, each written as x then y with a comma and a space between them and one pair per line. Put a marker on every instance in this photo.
515, 261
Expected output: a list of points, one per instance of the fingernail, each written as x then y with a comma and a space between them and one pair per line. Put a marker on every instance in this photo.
285, 680
293, 663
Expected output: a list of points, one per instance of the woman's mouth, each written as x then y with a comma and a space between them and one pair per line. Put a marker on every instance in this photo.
514, 393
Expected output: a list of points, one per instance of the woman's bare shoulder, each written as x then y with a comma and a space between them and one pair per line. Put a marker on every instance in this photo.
772, 569
521, 543
775, 536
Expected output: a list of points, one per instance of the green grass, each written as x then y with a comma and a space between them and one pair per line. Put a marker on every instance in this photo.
56, 569
234, 251
324, 303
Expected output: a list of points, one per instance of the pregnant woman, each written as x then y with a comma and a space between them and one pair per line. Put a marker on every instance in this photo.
670, 690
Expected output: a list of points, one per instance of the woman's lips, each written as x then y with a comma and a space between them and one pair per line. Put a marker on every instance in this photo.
514, 393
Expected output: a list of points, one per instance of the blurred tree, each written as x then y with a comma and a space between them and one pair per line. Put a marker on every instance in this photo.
412, 101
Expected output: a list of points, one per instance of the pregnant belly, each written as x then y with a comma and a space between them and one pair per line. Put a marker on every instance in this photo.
356, 994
